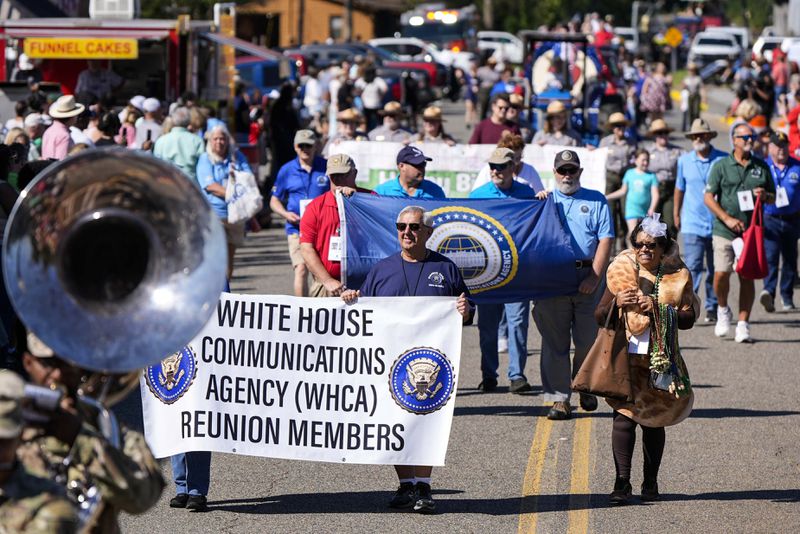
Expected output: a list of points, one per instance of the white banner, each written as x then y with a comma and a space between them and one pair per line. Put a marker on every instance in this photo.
311, 379
455, 168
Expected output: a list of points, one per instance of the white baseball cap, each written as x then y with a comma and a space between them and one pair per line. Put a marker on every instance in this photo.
151, 105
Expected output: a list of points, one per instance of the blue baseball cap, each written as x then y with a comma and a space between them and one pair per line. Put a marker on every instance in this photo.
412, 155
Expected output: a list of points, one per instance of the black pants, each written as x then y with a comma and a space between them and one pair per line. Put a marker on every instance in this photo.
623, 438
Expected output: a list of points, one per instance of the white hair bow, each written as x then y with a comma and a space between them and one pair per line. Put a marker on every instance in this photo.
652, 226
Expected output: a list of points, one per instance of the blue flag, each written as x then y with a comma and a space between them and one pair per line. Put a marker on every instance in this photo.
507, 250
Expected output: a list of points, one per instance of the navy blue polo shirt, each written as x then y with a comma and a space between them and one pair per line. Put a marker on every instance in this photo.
294, 184
435, 276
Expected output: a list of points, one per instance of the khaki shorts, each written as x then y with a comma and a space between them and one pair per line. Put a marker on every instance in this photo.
294, 249
234, 233
318, 290
723, 254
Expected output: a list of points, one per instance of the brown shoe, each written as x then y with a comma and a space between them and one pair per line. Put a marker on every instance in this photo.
560, 411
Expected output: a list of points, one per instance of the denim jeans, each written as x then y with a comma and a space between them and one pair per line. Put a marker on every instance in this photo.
192, 472
695, 249
502, 329
489, 316
780, 241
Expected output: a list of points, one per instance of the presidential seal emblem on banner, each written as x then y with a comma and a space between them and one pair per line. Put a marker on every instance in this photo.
171, 378
421, 380
478, 244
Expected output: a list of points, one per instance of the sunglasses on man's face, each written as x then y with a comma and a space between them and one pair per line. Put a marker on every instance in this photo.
499, 167
568, 171
305, 147
648, 246
748, 137
414, 227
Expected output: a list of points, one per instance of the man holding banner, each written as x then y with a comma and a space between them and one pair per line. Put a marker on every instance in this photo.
415, 271
411, 182
585, 215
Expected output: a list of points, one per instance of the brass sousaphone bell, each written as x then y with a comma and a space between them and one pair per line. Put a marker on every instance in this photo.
114, 259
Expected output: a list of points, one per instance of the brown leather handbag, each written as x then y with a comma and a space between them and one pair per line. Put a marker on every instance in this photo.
606, 370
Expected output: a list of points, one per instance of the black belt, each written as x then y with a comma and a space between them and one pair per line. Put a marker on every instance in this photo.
583, 264
790, 217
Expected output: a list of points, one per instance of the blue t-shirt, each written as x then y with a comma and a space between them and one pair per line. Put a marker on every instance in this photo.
435, 276
217, 173
788, 179
294, 184
586, 217
426, 189
517, 190
696, 218
638, 197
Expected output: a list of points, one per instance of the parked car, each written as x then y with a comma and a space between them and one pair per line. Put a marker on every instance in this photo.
764, 46
708, 47
413, 49
742, 36
508, 45
263, 74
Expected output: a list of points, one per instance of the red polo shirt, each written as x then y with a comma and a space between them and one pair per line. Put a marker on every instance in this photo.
321, 221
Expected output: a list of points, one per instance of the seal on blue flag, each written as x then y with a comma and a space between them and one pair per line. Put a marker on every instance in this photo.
171, 378
421, 380
478, 244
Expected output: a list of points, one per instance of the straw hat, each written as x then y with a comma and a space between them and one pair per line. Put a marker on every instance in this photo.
348, 115
659, 125
618, 118
433, 114
65, 107
555, 107
700, 127
392, 109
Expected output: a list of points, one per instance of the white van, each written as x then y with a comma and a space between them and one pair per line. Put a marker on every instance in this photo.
742, 36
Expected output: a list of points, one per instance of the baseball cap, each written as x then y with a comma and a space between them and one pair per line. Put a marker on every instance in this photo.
33, 119
779, 138
305, 137
137, 101
412, 155
566, 158
501, 156
151, 105
12, 389
38, 348
339, 164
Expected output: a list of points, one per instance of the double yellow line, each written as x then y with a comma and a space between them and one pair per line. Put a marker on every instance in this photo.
579, 478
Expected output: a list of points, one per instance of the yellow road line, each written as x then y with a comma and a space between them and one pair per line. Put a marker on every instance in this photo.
533, 476
579, 484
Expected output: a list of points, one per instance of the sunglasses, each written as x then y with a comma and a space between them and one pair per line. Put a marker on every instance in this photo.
648, 246
305, 146
414, 227
499, 167
568, 171
502, 108
749, 137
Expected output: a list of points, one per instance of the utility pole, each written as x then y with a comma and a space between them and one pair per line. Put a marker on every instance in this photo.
300, 21
347, 34
488, 15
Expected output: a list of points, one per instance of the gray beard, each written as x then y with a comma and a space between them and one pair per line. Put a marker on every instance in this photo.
568, 189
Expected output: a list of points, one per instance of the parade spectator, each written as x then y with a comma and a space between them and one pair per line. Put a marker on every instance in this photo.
571, 317
410, 181
391, 130
34, 127
664, 164
652, 262
98, 82
215, 167
372, 88
320, 242
640, 189
781, 225
433, 127
109, 128
489, 131
77, 130
794, 129
504, 84
347, 129
556, 130
313, 95
56, 140
127, 131
391, 277
695, 94
18, 120
180, 147
692, 218
621, 152
471, 82
27, 70
487, 76
502, 185
523, 172
282, 125
148, 127
733, 183
514, 114
654, 96
298, 183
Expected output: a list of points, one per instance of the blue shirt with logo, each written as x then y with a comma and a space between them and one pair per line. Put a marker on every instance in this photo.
426, 189
517, 190
788, 179
696, 218
435, 276
586, 217
294, 184
218, 173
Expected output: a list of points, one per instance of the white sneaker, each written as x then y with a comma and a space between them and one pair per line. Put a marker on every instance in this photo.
502, 344
788, 306
743, 332
767, 300
723, 322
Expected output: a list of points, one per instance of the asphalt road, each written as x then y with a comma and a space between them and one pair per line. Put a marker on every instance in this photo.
733, 466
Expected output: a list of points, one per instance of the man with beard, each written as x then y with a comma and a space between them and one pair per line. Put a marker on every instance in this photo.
585, 215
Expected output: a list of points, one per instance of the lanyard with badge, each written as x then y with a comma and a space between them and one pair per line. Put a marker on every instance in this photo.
746, 200
781, 196
304, 202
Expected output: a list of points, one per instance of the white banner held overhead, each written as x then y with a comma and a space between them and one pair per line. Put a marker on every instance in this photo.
311, 379
455, 168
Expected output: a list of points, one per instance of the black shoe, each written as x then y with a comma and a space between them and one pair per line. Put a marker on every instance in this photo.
711, 316
404, 497
622, 491
424, 504
650, 490
560, 411
197, 503
488, 384
519, 385
588, 402
179, 500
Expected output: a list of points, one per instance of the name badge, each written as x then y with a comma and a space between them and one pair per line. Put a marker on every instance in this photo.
335, 248
304, 204
640, 344
781, 197
746, 202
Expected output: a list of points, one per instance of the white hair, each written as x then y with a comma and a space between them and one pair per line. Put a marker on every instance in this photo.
736, 125
427, 218
181, 117
216, 158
